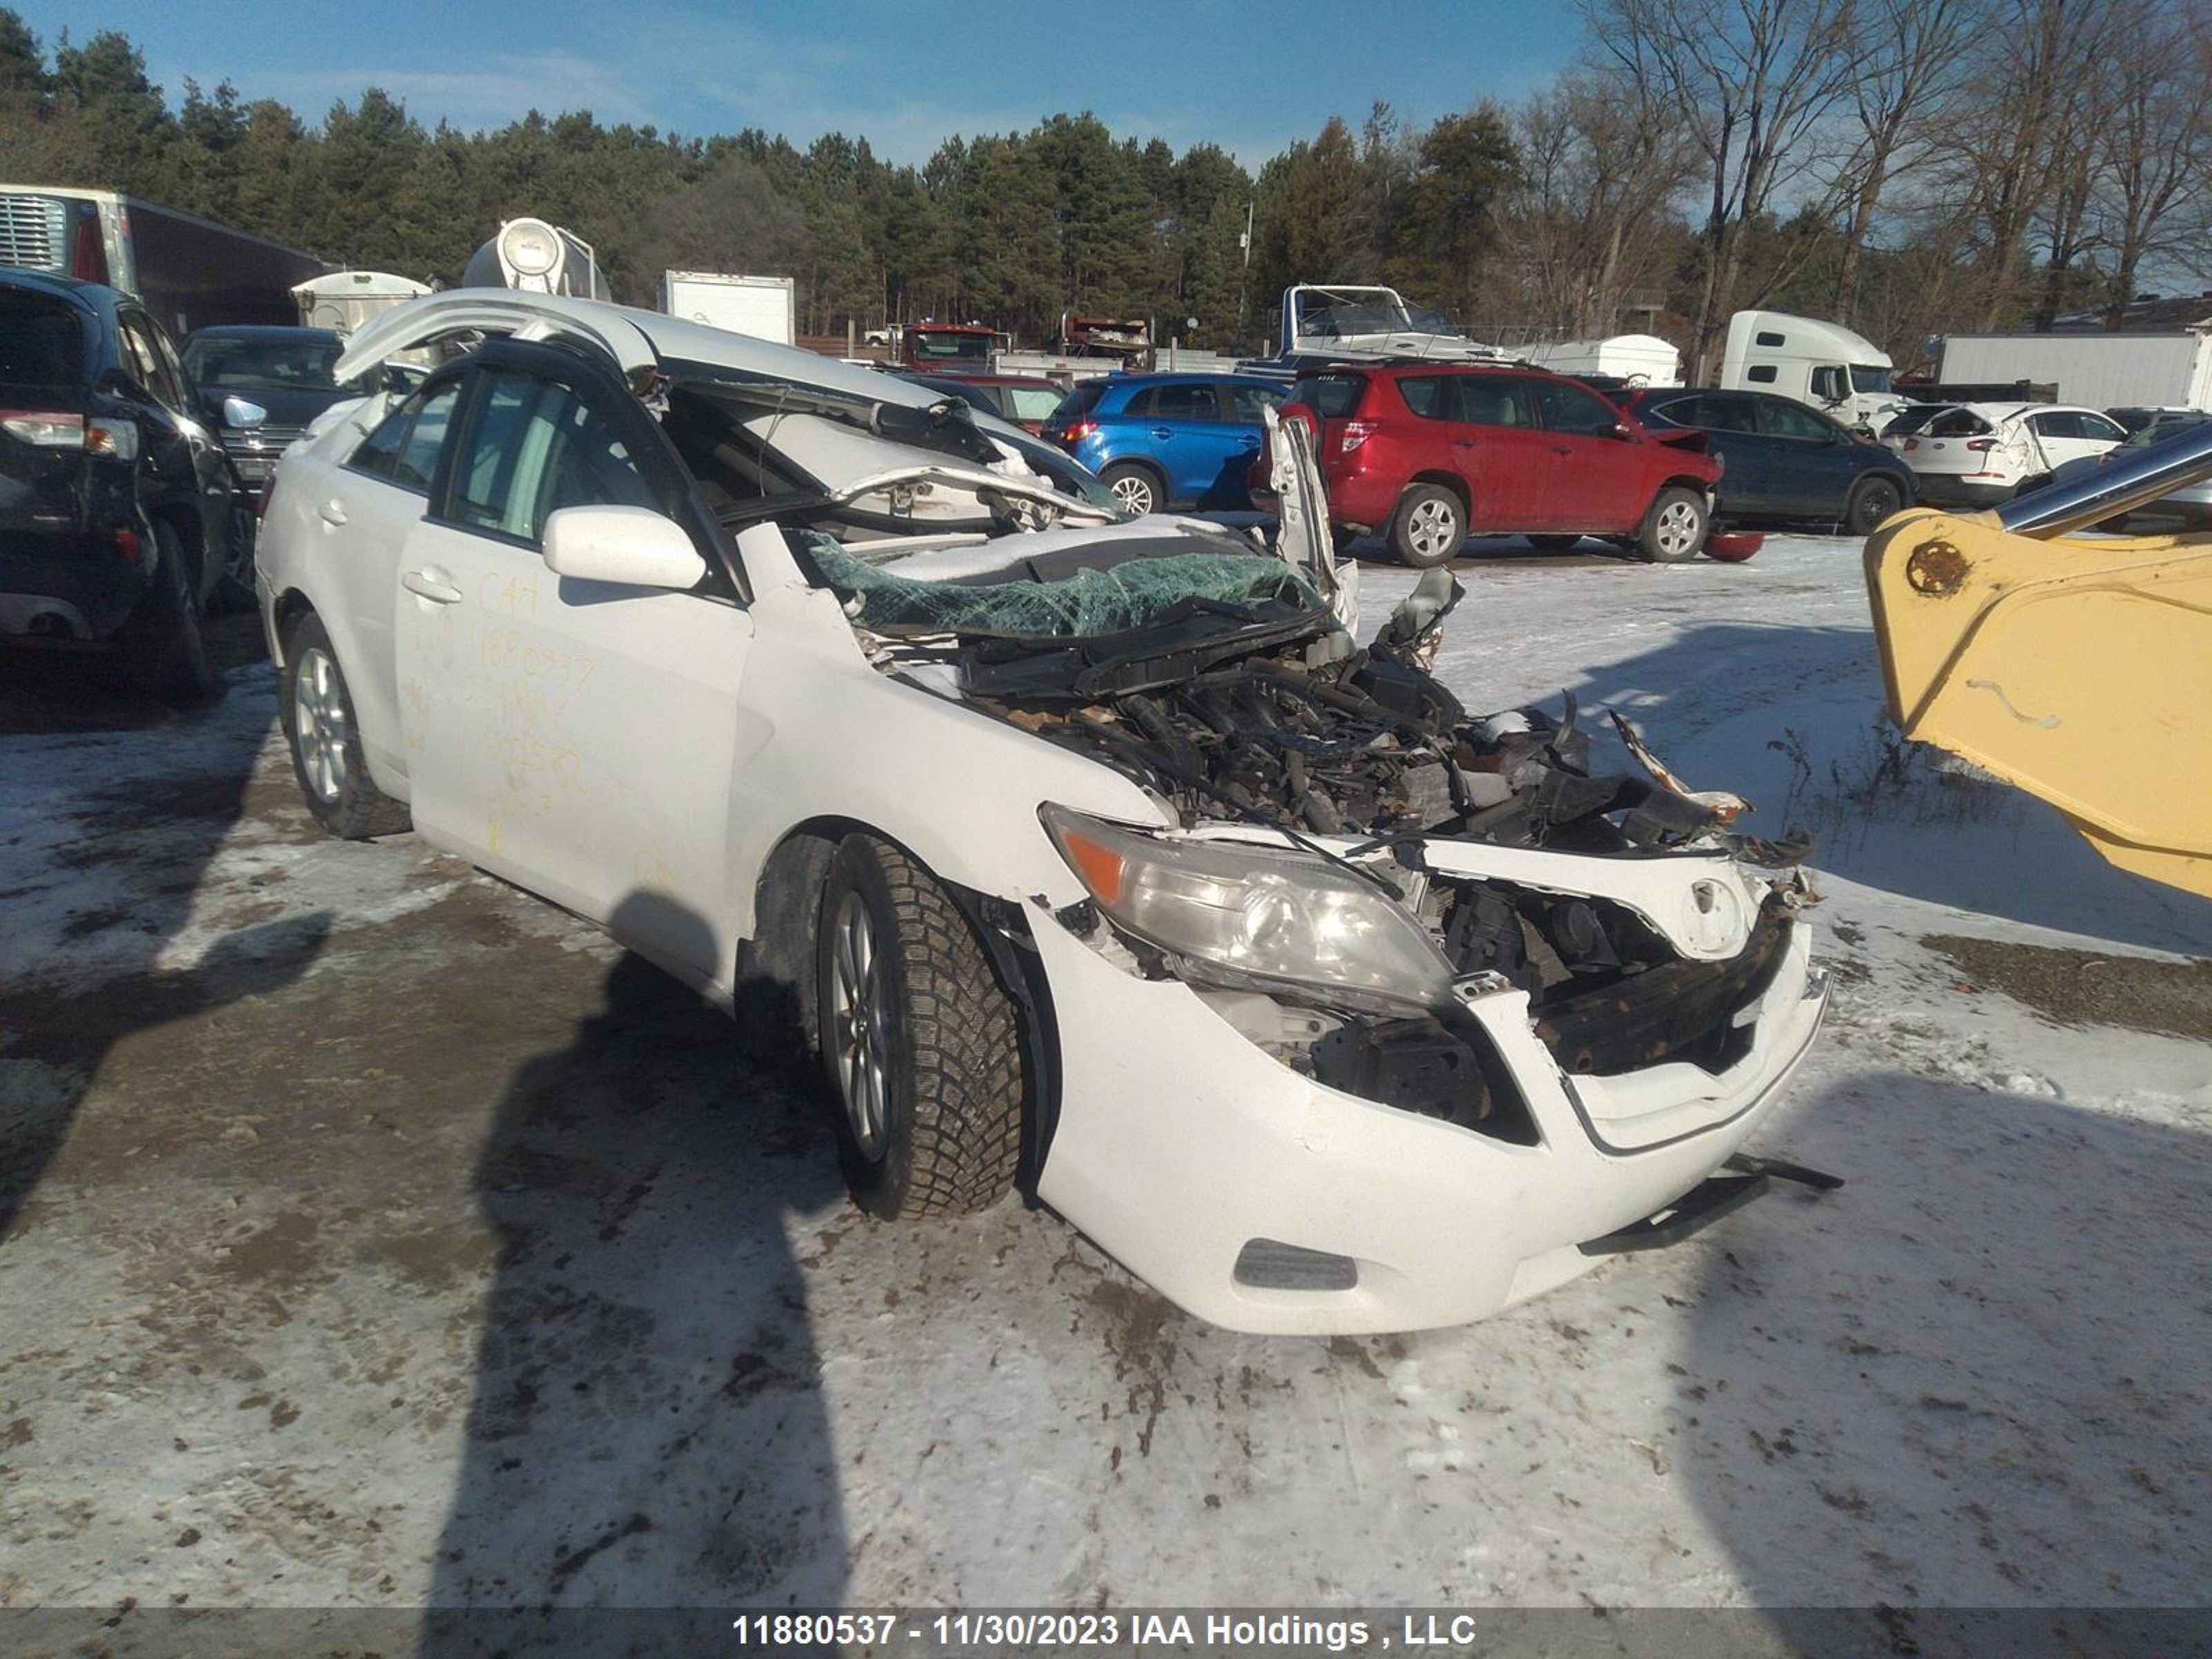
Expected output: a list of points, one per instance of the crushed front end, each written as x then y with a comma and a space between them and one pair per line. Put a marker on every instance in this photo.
1388, 1016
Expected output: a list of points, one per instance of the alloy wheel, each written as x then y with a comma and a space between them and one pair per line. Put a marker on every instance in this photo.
1432, 528
319, 724
1134, 493
1676, 531
860, 1025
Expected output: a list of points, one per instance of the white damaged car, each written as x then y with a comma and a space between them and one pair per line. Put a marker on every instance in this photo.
1095, 857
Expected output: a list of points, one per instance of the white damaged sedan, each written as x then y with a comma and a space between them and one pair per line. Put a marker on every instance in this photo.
1095, 857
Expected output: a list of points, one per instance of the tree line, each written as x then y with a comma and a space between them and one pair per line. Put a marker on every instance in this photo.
1910, 166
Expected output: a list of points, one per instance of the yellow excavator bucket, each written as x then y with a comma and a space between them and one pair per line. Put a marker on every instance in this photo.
2079, 668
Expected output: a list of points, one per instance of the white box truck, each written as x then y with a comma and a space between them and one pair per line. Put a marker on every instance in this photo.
1821, 364
766, 308
2171, 369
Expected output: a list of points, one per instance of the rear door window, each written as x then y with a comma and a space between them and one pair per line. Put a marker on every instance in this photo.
1428, 396
417, 462
1492, 400
1725, 414
2056, 423
425, 415
139, 355
1784, 420
1185, 403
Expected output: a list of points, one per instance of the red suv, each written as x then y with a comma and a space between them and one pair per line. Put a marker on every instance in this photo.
1428, 455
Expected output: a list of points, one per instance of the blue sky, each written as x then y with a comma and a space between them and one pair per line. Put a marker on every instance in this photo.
905, 74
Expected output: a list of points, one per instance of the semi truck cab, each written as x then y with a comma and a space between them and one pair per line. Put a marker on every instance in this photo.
1820, 364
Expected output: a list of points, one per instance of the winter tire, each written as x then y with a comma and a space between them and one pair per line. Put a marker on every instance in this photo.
1134, 487
1872, 500
326, 758
1428, 526
165, 628
1675, 527
921, 1044
234, 592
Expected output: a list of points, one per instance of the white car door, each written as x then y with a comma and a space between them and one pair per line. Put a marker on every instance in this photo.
575, 737
2068, 435
363, 511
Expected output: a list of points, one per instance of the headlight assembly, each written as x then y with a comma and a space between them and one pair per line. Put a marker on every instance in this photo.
1262, 914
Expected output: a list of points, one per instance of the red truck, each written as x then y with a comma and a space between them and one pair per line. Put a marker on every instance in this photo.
955, 349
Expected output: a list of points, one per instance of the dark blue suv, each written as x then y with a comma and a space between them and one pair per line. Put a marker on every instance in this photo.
1162, 440
1783, 461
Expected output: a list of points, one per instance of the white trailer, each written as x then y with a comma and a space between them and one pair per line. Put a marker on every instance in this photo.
2170, 369
1643, 358
345, 300
765, 307
1820, 364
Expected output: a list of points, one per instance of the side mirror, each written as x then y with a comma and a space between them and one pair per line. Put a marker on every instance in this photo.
630, 546
242, 417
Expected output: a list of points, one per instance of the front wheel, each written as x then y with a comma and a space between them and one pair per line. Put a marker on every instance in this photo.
1872, 500
920, 1042
1134, 487
1674, 527
1428, 527
325, 742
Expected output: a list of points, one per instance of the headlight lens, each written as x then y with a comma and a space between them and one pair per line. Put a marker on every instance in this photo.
1264, 913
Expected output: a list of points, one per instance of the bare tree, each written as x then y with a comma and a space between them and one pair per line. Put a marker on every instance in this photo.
1755, 82
2013, 146
1912, 60
2152, 191
1591, 218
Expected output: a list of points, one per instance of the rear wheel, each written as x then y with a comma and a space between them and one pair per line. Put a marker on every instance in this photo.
1872, 500
1134, 487
1428, 527
165, 628
326, 743
1675, 527
920, 1042
234, 592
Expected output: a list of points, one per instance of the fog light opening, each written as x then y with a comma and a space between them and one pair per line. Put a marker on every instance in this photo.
1268, 1264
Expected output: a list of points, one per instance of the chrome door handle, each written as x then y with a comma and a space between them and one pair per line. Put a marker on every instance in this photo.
430, 583
332, 511
1164, 432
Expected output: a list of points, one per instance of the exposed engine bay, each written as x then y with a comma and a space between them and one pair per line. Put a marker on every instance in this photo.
1219, 677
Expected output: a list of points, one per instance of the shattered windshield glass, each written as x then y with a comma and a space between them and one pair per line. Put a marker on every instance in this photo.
1131, 595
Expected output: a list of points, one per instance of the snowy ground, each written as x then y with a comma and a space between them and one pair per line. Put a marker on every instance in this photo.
372, 1236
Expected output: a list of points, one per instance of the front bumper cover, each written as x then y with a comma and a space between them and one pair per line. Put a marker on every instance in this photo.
1179, 1144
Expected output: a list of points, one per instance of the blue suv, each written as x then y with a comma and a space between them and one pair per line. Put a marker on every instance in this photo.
1161, 440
